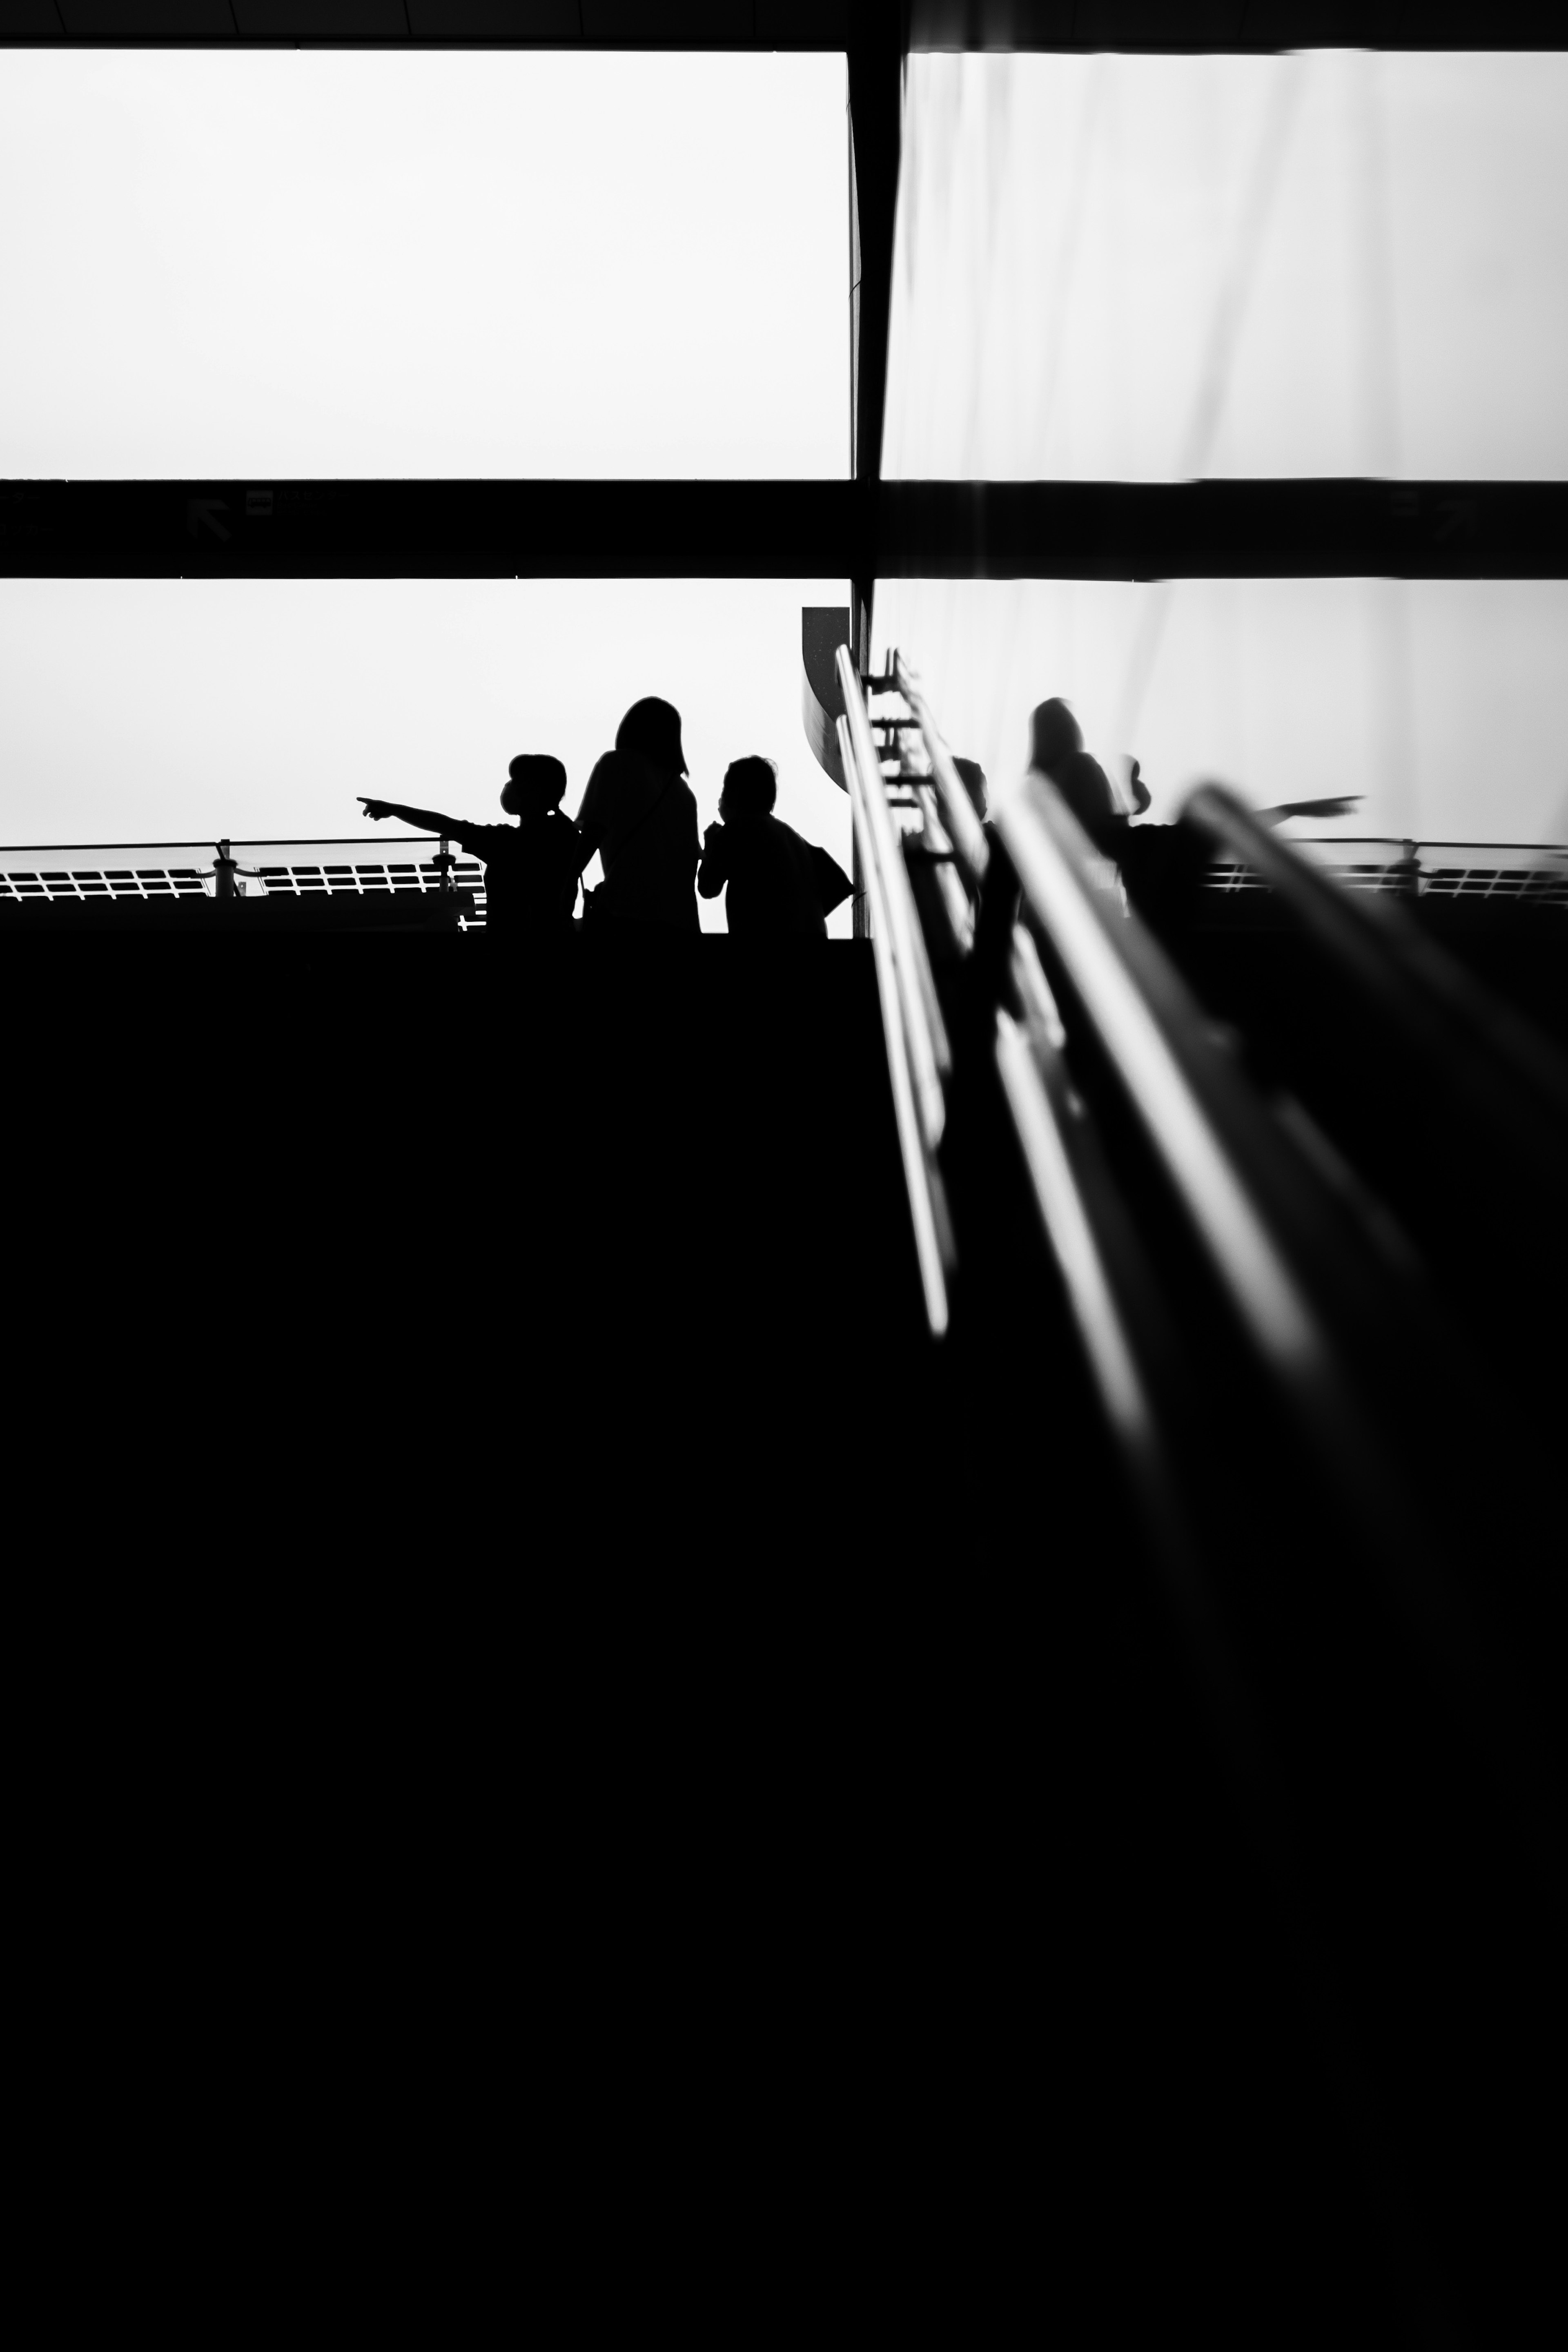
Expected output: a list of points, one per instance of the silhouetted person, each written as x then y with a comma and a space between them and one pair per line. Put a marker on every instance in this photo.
780, 887
973, 778
1056, 749
639, 813
530, 868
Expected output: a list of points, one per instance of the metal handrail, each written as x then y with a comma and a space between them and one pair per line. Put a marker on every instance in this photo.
930, 1055
927, 1202
1075, 1198
1310, 1294
377, 842
964, 828
1029, 1066
119, 870
943, 861
1322, 1312
1213, 1138
1455, 1029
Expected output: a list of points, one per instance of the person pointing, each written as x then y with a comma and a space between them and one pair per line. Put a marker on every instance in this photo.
531, 867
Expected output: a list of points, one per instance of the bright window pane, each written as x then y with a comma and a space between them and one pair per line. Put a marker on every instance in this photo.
261, 708
1444, 703
294, 263
1155, 267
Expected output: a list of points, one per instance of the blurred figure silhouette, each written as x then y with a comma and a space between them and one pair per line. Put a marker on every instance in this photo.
1056, 749
973, 778
531, 867
639, 814
780, 887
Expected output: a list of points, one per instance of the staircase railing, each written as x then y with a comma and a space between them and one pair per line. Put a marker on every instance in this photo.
919, 1054
1434, 1011
963, 826
1304, 1432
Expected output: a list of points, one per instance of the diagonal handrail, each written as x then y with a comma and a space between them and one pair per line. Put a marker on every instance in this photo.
930, 1054
1455, 1029
1302, 1287
1202, 1123
963, 827
922, 1181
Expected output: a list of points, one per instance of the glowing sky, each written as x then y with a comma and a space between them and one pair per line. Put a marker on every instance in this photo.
1158, 268
285, 263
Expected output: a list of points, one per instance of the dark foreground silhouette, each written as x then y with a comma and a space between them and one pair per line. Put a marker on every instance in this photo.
692, 1631
531, 868
780, 887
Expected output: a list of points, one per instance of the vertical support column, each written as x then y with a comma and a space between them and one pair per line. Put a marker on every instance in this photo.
875, 112
875, 108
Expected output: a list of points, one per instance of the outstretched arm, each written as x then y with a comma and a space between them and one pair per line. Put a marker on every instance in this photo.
1341, 805
426, 820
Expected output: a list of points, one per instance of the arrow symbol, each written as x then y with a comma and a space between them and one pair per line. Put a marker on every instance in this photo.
204, 513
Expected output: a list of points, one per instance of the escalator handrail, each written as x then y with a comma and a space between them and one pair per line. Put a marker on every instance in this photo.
962, 825
1463, 1036
1257, 1210
930, 1055
1035, 1085
927, 1206
1314, 1301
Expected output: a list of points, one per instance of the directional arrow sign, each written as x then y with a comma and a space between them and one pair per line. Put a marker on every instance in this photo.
202, 514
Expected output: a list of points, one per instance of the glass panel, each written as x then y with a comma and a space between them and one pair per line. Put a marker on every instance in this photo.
294, 263
1156, 266
258, 709
1440, 703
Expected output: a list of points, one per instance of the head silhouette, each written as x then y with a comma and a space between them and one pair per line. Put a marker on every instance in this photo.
750, 788
536, 783
1054, 735
973, 782
652, 728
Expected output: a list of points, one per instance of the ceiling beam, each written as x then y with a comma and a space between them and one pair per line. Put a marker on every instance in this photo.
784, 529
1232, 26
1129, 26
1235, 529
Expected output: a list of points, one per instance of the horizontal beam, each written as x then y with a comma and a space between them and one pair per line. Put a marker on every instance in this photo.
552, 530
1234, 27
784, 529
1226, 529
1128, 25
434, 24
